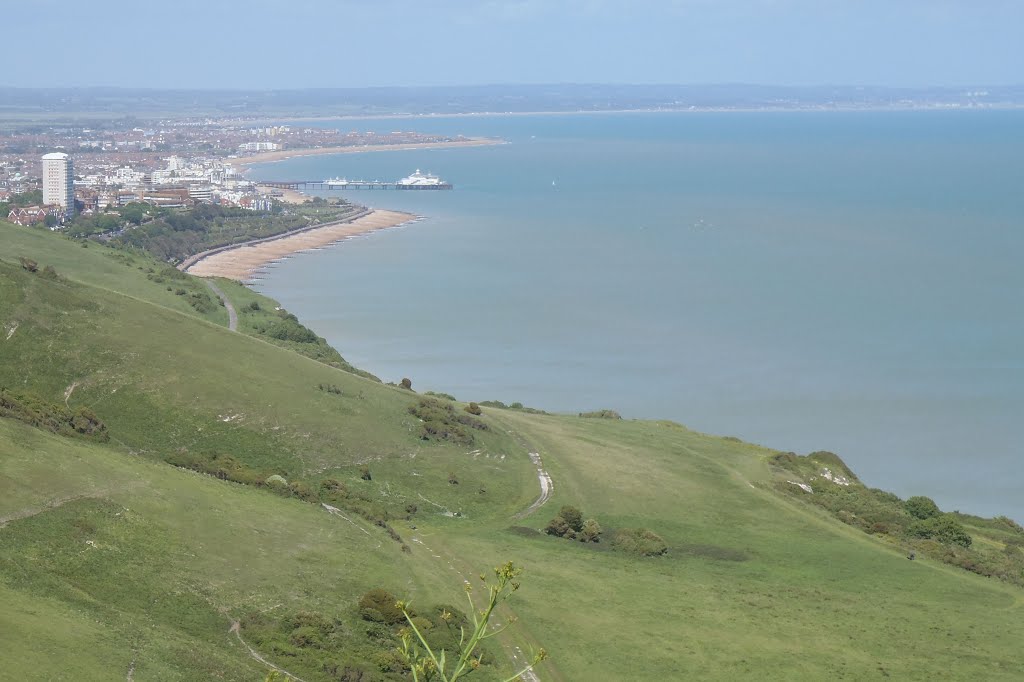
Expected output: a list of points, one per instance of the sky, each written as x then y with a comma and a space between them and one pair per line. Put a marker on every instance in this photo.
273, 44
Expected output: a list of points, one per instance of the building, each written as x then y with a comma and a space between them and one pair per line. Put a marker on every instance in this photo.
59, 181
27, 215
200, 193
259, 147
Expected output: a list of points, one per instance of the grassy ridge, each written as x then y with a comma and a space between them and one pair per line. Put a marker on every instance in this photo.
130, 559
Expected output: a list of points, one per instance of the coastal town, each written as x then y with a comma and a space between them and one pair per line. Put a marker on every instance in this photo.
55, 174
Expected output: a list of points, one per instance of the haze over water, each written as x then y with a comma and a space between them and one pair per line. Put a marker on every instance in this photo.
839, 281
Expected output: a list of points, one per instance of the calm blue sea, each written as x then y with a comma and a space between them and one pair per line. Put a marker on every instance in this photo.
841, 281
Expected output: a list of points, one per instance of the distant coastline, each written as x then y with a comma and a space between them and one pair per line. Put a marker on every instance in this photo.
244, 162
868, 108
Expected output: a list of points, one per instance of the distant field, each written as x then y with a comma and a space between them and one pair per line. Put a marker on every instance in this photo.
113, 560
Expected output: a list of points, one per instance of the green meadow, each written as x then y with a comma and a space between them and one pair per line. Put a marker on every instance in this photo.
246, 490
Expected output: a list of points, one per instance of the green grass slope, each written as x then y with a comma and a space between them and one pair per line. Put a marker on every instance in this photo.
112, 560
754, 586
109, 561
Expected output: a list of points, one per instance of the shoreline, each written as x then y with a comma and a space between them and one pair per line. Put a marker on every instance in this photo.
244, 162
241, 262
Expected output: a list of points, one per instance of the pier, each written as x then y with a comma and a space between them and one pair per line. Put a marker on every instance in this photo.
320, 185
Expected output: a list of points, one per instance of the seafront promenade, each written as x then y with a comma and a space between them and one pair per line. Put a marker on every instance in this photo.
242, 261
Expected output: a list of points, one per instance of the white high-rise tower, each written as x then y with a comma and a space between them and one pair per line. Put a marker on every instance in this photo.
59, 181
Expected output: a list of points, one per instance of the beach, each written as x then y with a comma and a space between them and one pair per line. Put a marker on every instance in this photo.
242, 262
269, 157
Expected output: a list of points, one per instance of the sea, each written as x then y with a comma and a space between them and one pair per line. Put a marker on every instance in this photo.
842, 281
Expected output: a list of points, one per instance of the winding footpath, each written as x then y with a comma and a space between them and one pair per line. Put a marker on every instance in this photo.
546, 486
228, 305
236, 628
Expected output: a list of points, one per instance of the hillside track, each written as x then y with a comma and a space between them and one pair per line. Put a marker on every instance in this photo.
228, 305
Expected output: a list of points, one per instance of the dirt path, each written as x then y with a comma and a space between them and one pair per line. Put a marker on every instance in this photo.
543, 477
236, 628
546, 486
228, 305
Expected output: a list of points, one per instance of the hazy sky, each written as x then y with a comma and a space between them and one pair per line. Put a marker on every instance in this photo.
345, 43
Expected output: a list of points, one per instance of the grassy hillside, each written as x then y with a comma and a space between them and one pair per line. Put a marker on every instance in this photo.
112, 559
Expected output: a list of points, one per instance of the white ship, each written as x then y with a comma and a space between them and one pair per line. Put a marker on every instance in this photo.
419, 179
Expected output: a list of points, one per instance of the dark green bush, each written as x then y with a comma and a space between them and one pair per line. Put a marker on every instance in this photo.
380, 606
944, 528
573, 517
921, 507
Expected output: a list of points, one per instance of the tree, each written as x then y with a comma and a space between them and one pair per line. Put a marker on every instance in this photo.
591, 531
557, 527
50, 220
426, 664
921, 507
573, 517
406, 383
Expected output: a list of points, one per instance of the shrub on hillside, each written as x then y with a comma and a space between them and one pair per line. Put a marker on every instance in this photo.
442, 422
380, 606
406, 383
921, 507
53, 417
639, 541
943, 528
473, 408
573, 517
558, 527
590, 532
601, 414
570, 524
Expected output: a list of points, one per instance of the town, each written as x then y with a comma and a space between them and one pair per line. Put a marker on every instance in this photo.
53, 175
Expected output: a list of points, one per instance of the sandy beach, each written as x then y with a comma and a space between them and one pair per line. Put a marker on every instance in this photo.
269, 157
243, 262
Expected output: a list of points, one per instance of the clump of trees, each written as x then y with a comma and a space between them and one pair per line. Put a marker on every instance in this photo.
440, 421
569, 524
